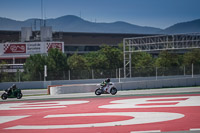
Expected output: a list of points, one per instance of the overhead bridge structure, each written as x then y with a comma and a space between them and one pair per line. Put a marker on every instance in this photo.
157, 43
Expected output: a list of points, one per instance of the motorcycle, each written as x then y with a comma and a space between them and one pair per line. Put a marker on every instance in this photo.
110, 89
12, 93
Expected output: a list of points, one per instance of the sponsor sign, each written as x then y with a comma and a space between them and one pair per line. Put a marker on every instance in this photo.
32, 47
14, 48
54, 45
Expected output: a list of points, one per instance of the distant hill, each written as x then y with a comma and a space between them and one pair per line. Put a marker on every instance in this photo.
70, 23
184, 27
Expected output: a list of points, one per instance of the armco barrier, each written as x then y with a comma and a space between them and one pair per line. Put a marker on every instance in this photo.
130, 85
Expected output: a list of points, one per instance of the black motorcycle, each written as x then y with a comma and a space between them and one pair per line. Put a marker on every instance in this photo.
12, 92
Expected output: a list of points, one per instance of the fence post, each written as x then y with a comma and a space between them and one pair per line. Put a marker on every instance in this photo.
156, 73
69, 74
92, 74
64, 75
19, 77
192, 71
119, 75
116, 72
45, 72
184, 70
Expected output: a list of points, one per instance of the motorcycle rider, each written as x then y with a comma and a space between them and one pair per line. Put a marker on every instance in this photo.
105, 84
11, 89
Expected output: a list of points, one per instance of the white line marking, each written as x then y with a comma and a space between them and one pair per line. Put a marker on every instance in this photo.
137, 118
39, 105
148, 103
195, 129
151, 131
4, 119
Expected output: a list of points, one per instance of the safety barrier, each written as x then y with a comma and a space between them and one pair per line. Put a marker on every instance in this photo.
75, 88
130, 85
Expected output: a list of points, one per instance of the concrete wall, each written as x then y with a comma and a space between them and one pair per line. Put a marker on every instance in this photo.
126, 84
160, 83
130, 85
42, 84
65, 89
26, 85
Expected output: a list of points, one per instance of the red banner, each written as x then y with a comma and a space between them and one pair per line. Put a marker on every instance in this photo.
14, 48
54, 45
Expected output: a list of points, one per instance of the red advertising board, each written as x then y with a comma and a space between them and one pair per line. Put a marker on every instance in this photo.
14, 48
54, 45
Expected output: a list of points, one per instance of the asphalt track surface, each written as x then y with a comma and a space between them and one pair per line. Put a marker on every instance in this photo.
174, 110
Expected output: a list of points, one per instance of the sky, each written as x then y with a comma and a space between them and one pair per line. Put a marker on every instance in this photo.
154, 13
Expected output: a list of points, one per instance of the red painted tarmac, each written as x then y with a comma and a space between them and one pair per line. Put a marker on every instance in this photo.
102, 115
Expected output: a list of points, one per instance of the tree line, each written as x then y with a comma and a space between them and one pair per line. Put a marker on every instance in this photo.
106, 58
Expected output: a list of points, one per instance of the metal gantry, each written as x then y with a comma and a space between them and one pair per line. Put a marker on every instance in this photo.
157, 43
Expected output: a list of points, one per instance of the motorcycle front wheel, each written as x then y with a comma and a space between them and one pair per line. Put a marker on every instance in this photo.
98, 91
113, 91
4, 96
19, 95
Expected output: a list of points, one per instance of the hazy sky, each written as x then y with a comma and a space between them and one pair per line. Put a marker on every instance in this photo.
156, 13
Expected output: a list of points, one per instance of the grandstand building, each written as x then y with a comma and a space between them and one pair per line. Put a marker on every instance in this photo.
39, 42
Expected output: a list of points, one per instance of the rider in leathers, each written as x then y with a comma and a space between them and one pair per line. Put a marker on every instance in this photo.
105, 84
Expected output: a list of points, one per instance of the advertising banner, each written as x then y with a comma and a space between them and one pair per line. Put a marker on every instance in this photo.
31, 47
34, 48
14, 48
57, 45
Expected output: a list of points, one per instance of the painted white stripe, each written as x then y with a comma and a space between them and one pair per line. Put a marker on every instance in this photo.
195, 129
39, 105
140, 102
151, 131
4, 119
137, 118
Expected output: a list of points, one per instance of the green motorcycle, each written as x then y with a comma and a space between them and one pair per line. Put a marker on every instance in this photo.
12, 92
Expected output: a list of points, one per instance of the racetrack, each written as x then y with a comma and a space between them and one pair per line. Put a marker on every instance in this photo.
159, 110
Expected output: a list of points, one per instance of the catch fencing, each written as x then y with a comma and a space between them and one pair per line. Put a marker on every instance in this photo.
138, 73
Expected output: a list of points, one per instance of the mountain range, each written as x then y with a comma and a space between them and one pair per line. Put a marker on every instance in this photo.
70, 23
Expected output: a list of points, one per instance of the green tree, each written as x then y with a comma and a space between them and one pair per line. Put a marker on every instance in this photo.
142, 64
56, 61
34, 67
56, 65
142, 59
192, 57
168, 63
94, 60
113, 57
166, 59
77, 62
5, 76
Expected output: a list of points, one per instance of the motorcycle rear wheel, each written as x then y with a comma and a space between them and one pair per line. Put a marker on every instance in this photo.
4, 96
98, 92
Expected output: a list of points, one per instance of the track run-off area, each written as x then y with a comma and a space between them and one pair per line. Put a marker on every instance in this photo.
100, 114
